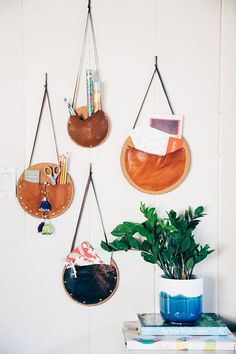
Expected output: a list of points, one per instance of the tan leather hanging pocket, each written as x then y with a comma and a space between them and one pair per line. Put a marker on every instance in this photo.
88, 132
152, 173
30, 194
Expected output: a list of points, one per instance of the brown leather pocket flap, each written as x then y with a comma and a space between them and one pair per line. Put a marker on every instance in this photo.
90, 131
59, 196
154, 173
30, 196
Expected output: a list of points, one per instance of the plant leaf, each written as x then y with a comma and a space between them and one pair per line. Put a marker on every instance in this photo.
198, 211
156, 247
105, 246
119, 245
119, 231
143, 232
185, 244
145, 246
186, 215
190, 213
149, 258
190, 264
133, 242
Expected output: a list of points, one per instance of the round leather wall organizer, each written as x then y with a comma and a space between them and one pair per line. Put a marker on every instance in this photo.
93, 284
88, 131
154, 174
30, 194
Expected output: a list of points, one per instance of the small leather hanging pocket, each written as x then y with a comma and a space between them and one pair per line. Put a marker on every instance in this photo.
88, 129
93, 284
88, 132
150, 173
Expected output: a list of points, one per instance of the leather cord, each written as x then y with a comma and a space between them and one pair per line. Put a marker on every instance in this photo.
89, 21
156, 71
89, 181
45, 97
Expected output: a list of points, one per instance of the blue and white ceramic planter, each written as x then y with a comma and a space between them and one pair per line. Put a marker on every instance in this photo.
181, 300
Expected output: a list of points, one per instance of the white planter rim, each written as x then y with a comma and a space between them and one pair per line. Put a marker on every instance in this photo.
186, 287
194, 277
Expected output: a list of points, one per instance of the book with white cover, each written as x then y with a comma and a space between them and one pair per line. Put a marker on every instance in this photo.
135, 341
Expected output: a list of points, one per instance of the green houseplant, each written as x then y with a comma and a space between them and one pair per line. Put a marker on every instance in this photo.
169, 243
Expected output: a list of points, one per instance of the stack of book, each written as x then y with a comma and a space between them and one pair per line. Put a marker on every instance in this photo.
151, 332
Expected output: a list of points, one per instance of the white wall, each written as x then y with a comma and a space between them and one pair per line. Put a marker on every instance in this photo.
195, 42
227, 158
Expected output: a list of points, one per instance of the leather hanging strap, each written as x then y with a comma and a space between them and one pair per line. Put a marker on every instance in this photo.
45, 97
156, 71
89, 20
89, 181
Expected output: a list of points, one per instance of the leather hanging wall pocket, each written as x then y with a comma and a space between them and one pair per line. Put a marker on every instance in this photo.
151, 173
92, 284
41, 190
88, 126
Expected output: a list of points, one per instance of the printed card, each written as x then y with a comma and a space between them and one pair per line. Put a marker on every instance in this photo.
171, 124
32, 176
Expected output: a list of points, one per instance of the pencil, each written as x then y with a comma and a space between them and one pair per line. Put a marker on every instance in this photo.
62, 169
59, 177
65, 170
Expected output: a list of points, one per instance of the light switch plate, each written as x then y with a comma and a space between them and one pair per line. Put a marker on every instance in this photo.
7, 182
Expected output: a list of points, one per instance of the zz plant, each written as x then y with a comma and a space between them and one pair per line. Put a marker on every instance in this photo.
168, 242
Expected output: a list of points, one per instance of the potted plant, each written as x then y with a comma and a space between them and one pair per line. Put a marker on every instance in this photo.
168, 242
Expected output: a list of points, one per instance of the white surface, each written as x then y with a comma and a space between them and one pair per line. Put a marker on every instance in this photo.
227, 165
45, 36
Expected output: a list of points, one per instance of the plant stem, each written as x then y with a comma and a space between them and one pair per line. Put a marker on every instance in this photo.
183, 272
191, 273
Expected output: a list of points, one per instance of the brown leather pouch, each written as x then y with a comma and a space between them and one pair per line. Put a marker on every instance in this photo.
88, 132
30, 196
154, 173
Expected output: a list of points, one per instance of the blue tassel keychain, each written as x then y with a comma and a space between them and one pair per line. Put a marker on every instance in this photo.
45, 206
45, 227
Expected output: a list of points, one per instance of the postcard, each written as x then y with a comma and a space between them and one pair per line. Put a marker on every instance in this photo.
171, 124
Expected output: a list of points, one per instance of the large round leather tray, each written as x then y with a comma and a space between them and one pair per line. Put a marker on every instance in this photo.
30, 194
94, 284
151, 173
88, 132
